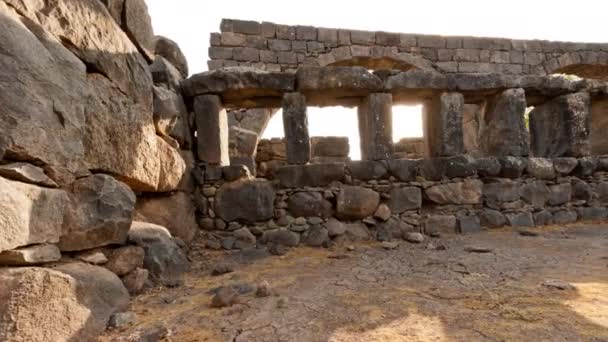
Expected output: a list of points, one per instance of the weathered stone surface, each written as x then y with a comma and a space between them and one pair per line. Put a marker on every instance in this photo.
70, 302
512, 167
115, 7
492, 218
403, 199
496, 193
336, 82
442, 224
169, 49
27, 173
565, 217
375, 115
469, 224
100, 214
466, 192
316, 236
233, 83
136, 280
592, 214
168, 107
560, 194
488, 167
212, 130
540, 168
247, 200
403, 169
560, 127
243, 238
383, 212
296, 176
443, 125
295, 125
520, 219
175, 211
433, 169
505, 133
281, 237
357, 231
543, 218
367, 170
536, 193
461, 166
30, 214
233, 173
164, 73
164, 260
309, 204
329, 146
355, 203
31, 255
586, 166
125, 259
335, 227
172, 167
564, 166
581, 190
138, 25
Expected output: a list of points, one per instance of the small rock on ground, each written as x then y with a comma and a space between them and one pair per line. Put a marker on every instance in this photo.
221, 269
414, 237
558, 284
225, 296
264, 289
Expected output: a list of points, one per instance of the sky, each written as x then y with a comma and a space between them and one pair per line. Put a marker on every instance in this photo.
190, 22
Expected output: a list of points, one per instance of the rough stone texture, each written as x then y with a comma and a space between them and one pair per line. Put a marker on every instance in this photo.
28, 173
70, 302
329, 146
461, 166
375, 115
164, 73
164, 260
247, 200
168, 108
295, 125
560, 127
100, 214
560, 194
535, 193
564, 165
469, 224
124, 260
492, 218
281, 237
505, 132
403, 169
212, 130
367, 170
520, 219
309, 204
406, 198
31, 255
500, 192
336, 82
467, 192
540, 168
138, 25
512, 167
442, 224
169, 49
176, 212
355, 202
488, 167
172, 167
443, 125
30, 214
136, 280
297, 176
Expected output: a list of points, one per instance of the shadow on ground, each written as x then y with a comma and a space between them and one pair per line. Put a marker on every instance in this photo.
412, 293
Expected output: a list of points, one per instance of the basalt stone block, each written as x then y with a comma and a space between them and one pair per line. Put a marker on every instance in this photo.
238, 83
501, 192
488, 166
354, 203
281, 237
461, 166
367, 170
543, 218
565, 165
602, 192
442, 224
492, 218
560, 194
565, 217
138, 25
232, 173
592, 214
212, 130
505, 132
330, 146
405, 198
602, 164
536, 193
560, 127
541, 168
467, 192
443, 125
433, 169
337, 81
295, 124
520, 219
309, 204
469, 224
376, 126
404, 170
246, 200
163, 72
512, 167
586, 166
298, 176
169, 49
581, 190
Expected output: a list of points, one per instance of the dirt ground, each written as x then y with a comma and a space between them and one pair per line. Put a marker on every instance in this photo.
412, 293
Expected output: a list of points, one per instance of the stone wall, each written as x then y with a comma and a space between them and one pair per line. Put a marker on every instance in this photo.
275, 47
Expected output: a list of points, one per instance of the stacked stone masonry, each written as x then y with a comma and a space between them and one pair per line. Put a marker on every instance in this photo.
275, 47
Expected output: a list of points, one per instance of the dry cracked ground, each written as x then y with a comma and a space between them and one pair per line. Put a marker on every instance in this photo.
549, 287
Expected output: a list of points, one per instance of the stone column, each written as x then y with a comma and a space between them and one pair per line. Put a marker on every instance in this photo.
599, 126
504, 131
560, 127
211, 130
442, 122
376, 126
295, 124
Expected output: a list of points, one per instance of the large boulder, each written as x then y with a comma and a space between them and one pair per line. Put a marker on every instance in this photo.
250, 200
100, 215
356, 202
69, 302
467, 192
176, 212
405, 198
30, 214
172, 167
169, 49
138, 25
307, 204
168, 107
164, 260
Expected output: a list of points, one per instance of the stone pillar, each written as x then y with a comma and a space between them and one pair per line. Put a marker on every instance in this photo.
504, 130
295, 124
376, 126
560, 127
211, 130
442, 122
599, 126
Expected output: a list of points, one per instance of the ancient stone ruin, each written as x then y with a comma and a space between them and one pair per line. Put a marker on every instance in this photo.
113, 160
